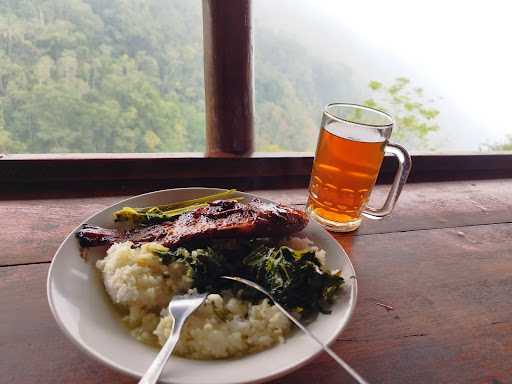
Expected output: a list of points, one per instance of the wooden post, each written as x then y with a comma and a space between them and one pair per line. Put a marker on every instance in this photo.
228, 76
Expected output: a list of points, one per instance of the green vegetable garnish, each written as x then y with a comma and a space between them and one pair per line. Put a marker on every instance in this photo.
294, 278
162, 213
205, 266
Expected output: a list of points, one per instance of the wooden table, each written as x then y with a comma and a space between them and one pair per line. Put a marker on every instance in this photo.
442, 261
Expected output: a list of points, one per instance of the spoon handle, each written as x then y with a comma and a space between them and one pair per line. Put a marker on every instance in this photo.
153, 373
351, 371
356, 376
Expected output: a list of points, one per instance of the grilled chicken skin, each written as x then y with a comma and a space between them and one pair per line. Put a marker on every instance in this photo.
219, 219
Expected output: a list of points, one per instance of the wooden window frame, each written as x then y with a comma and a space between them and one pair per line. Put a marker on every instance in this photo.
229, 159
141, 172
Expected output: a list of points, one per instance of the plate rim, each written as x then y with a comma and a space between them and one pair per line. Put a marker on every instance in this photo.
112, 364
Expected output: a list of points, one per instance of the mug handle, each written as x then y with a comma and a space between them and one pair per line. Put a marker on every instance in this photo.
404, 167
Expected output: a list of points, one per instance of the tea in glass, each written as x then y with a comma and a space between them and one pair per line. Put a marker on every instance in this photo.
350, 150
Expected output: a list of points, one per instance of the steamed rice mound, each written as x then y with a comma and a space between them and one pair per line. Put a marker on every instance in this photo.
135, 277
223, 326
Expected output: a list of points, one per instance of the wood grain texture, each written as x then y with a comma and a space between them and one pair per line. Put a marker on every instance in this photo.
228, 76
119, 172
33, 348
40, 224
30, 169
450, 289
451, 293
444, 205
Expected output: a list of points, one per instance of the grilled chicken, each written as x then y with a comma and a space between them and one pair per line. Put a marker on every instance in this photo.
219, 219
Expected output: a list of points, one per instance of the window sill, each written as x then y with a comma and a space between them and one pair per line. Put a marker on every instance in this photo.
260, 170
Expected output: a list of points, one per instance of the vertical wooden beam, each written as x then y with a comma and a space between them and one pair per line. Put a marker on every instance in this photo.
228, 76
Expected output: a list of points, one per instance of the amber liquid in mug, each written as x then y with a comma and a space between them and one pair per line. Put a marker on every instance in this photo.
344, 173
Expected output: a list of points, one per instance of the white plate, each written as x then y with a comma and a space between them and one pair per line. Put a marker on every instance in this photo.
81, 309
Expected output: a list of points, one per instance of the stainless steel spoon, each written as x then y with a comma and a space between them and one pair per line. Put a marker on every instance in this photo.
180, 308
329, 351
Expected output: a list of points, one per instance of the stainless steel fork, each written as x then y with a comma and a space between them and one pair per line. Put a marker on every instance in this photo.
180, 308
326, 348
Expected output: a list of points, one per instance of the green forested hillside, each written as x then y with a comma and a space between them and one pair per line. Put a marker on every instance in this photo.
100, 76
126, 76
292, 86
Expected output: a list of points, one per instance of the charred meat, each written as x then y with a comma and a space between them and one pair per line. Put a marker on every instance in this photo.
219, 219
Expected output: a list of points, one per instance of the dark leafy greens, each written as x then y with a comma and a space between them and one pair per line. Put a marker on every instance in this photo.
205, 266
294, 278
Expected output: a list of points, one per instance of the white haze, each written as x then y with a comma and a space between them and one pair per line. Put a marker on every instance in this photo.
458, 51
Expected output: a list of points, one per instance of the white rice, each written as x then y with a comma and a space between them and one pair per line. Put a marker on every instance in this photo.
222, 327
225, 327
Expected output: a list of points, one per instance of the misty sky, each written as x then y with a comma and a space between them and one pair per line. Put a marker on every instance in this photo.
457, 50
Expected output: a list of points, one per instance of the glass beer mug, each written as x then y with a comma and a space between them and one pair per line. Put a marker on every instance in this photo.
351, 146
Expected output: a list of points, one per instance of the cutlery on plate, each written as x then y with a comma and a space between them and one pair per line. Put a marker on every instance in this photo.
329, 351
180, 308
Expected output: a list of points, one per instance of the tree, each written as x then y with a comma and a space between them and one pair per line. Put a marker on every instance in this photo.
127, 76
100, 76
415, 118
506, 145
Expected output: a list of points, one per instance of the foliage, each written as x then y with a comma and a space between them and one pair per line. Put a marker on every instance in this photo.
292, 87
127, 76
205, 267
294, 278
506, 145
414, 116
100, 76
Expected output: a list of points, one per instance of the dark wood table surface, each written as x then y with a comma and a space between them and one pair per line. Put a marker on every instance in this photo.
442, 261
